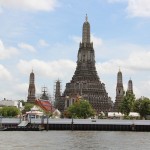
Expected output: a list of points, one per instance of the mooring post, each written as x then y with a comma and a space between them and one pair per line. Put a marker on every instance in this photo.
72, 123
133, 127
47, 123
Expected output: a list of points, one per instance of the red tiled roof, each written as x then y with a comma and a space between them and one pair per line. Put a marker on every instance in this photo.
45, 105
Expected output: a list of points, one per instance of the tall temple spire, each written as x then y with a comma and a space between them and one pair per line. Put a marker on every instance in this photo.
119, 91
58, 103
85, 82
130, 86
119, 77
31, 89
86, 52
86, 31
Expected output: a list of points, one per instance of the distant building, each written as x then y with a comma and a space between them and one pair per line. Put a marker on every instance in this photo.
15, 103
118, 115
31, 90
119, 91
56, 114
34, 113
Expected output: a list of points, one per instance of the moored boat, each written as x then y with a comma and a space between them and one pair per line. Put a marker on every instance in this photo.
3, 129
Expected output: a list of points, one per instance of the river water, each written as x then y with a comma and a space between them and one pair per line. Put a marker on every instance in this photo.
74, 140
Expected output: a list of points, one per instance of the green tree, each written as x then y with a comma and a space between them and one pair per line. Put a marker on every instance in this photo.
0, 111
27, 107
127, 103
142, 106
9, 111
80, 109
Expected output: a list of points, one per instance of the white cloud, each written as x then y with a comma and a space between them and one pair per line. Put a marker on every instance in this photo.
96, 41
76, 39
11, 92
138, 91
144, 90
46, 72
21, 88
54, 69
7, 52
136, 61
27, 47
43, 43
136, 8
139, 8
139, 60
4, 73
32, 5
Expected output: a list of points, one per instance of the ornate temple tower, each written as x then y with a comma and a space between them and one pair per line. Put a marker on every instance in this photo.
31, 90
130, 87
119, 91
85, 81
59, 103
44, 95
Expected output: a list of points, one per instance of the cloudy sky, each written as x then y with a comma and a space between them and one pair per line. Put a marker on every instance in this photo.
44, 35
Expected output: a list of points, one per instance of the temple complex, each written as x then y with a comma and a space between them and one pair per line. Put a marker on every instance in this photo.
85, 83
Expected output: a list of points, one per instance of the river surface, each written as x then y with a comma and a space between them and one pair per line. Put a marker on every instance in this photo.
74, 140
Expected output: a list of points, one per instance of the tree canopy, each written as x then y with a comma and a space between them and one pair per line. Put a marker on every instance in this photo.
127, 103
80, 109
9, 111
27, 107
142, 106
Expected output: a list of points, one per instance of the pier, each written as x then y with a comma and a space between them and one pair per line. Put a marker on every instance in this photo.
14, 124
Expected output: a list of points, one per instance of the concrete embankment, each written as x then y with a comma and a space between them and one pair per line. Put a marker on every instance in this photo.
79, 124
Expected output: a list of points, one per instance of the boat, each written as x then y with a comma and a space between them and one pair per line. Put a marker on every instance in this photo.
3, 129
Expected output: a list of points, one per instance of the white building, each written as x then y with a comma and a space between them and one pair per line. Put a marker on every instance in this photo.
34, 113
5, 102
56, 114
120, 115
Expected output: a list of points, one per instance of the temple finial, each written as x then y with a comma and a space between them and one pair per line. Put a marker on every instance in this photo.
119, 69
86, 18
86, 31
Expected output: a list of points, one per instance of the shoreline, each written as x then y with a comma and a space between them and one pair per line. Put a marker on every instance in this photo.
14, 124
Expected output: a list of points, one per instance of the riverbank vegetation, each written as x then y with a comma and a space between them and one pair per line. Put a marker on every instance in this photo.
80, 109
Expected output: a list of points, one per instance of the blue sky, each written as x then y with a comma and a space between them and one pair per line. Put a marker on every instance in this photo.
44, 35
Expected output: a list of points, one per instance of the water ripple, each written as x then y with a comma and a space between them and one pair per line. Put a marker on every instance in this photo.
74, 140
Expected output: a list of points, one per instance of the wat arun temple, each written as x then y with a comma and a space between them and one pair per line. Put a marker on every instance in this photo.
85, 82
